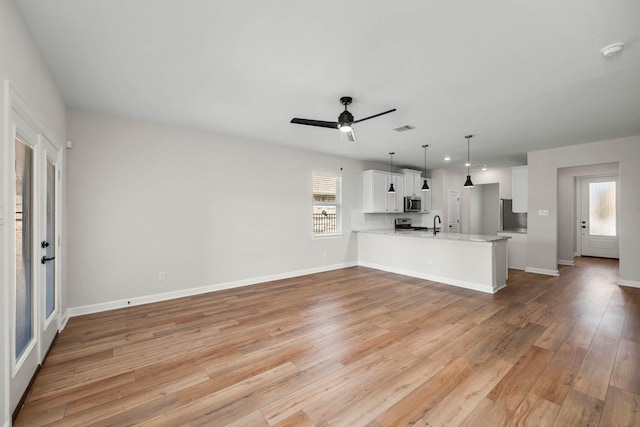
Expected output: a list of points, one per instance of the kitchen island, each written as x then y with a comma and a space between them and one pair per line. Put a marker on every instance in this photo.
471, 261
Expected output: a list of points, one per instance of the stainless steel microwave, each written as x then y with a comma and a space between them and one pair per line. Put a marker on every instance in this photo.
412, 204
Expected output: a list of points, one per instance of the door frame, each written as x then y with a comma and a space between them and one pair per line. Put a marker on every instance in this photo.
18, 112
451, 192
579, 201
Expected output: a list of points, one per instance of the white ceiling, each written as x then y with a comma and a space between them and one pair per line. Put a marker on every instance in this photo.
521, 75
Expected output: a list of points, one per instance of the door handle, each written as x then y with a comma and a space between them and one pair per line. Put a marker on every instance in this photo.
45, 259
584, 226
44, 244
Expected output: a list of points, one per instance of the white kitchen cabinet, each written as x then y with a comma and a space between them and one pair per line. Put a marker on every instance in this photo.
412, 183
375, 195
520, 182
516, 250
426, 197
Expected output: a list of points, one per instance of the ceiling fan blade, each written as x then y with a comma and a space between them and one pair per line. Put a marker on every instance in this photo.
318, 123
375, 115
351, 136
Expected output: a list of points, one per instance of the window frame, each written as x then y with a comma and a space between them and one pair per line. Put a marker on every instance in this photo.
337, 204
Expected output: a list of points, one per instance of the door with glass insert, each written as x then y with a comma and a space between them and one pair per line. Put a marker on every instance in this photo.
24, 290
599, 217
48, 245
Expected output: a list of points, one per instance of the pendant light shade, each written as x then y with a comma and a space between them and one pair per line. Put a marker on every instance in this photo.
391, 189
425, 186
468, 183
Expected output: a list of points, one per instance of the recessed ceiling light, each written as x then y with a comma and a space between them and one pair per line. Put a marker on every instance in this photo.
466, 165
612, 49
446, 159
484, 168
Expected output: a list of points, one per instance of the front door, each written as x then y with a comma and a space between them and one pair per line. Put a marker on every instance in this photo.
598, 217
454, 211
49, 245
34, 243
24, 316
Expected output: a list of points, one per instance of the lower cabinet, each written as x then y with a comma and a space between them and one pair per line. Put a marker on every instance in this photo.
516, 250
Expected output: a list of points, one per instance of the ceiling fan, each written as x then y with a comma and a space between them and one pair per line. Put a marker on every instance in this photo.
345, 120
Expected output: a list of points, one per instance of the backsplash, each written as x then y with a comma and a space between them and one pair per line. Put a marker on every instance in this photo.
376, 221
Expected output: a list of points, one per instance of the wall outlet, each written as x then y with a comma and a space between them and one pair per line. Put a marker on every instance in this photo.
429, 261
324, 254
161, 276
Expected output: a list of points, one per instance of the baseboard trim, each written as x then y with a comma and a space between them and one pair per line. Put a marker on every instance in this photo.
147, 299
446, 280
542, 271
629, 283
565, 262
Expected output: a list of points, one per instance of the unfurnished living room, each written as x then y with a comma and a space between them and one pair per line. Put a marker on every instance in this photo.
355, 213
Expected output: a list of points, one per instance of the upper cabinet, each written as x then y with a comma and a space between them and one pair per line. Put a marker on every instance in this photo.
426, 197
375, 192
520, 177
413, 181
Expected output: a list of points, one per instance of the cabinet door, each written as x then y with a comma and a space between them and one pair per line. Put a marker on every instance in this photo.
379, 190
520, 189
395, 201
426, 197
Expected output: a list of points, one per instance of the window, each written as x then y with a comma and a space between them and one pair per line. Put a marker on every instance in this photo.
327, 199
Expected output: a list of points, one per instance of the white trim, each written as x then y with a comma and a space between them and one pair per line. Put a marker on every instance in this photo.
542, 271
112, 305
63, 320
440, 279
629, 283
565, 262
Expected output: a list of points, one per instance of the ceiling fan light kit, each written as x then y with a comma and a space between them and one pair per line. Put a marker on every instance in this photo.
345, 119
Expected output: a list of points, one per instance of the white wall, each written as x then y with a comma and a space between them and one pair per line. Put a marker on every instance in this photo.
443, 181
205, 209
567, 220
542, 243
21, 64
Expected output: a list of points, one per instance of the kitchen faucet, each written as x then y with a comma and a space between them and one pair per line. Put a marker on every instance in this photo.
435, 230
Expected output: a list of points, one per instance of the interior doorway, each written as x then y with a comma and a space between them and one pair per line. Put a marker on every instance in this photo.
453, 216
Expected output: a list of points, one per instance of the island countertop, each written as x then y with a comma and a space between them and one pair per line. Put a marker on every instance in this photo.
440, 236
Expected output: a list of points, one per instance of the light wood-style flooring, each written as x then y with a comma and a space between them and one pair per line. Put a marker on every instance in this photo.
356, 347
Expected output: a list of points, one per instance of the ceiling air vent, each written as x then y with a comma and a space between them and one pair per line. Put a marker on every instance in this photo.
404, 128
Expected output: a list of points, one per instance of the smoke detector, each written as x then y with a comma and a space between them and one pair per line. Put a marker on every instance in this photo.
612, 50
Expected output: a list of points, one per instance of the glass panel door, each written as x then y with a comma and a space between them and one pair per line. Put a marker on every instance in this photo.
24, 250
50, 243
602, 208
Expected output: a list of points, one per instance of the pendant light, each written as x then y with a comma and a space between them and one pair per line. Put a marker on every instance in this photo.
468, 183
391, 189
425, 186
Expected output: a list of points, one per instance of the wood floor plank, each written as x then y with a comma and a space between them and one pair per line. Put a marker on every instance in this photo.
358, 347
556, 380
515, 386
535, 412
410, 409
626, 370
579, 409
457, 405
621, 408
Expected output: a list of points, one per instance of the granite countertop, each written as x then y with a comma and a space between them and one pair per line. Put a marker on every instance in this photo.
440, 236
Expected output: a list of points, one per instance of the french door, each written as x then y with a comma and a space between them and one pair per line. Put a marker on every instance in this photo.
35, 272
598, 217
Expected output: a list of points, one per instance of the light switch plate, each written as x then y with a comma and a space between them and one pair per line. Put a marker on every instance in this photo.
543, 212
